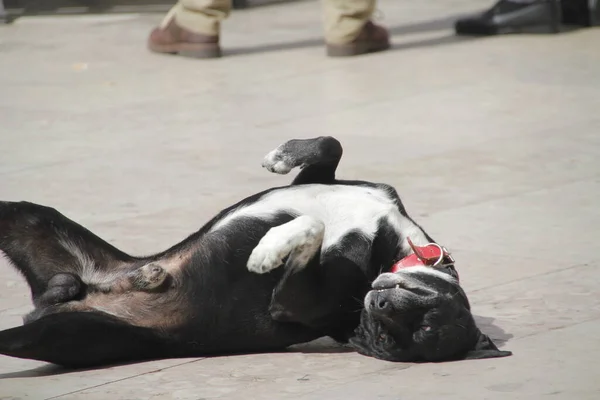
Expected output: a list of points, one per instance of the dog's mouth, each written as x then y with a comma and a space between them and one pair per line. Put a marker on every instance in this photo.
396, 286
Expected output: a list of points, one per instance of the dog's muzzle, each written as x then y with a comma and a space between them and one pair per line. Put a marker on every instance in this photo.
431, 255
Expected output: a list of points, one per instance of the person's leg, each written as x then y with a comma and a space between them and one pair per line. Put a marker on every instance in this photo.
349, 30
201, 16
191, 28
581, 12
344, 19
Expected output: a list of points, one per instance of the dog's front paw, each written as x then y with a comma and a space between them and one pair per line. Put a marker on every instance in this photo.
300, 239
267, 255
278, 161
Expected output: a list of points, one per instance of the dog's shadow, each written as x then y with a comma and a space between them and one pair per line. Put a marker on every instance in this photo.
53, 370
498, 335
43, 370
324, 345
327, 345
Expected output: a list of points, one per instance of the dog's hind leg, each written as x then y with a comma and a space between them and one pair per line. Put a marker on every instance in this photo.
318, 158
54, 253
83, 339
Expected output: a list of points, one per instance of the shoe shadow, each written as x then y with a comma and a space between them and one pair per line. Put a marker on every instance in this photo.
440, 24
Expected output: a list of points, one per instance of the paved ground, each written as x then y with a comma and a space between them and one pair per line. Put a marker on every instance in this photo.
493, 143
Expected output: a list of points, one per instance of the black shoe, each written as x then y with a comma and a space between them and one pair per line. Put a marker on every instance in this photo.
509, 16
581, 12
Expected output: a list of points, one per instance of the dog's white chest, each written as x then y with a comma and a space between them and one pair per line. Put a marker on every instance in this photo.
341, 208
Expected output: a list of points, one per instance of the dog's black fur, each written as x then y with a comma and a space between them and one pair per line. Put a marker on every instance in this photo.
207, 302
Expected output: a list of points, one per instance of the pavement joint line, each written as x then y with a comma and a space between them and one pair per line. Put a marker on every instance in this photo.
515, 194
586, 264
362, 377
124, 379
551, 329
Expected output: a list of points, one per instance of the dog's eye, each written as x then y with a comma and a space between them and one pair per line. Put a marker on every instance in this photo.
425, 328
382, 337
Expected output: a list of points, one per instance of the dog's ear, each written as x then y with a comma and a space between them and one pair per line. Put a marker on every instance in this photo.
485, 348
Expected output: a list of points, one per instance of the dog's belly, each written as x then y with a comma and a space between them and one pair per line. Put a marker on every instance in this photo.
342, 208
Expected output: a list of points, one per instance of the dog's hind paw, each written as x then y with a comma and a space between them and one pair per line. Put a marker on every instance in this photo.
278, 161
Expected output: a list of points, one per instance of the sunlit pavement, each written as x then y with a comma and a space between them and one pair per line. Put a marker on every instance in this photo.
493, 144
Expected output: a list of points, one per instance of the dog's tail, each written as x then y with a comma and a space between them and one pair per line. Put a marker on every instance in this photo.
42, 243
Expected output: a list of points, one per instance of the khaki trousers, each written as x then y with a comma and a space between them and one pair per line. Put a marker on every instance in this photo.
343, 19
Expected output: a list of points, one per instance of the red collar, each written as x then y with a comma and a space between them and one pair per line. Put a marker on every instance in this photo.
430, 255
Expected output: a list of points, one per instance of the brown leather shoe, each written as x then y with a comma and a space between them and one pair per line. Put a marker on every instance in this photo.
372, 38
176, 40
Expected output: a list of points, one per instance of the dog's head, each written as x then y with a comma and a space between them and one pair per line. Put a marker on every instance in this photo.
420, 314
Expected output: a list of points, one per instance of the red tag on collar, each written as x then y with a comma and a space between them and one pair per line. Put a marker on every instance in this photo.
429, 255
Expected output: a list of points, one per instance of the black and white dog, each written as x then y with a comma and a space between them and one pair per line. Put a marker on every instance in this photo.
281, 267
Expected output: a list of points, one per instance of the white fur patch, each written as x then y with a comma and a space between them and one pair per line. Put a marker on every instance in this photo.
341, 208
86, 267
299, 238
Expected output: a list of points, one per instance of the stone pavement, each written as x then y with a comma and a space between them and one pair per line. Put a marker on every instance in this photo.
494, 145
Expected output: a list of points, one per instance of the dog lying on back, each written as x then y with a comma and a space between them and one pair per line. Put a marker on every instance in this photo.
284, 266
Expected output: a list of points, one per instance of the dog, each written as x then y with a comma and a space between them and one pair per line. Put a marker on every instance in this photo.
320, 257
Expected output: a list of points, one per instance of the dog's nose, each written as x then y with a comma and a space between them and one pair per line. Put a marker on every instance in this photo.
380, 302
